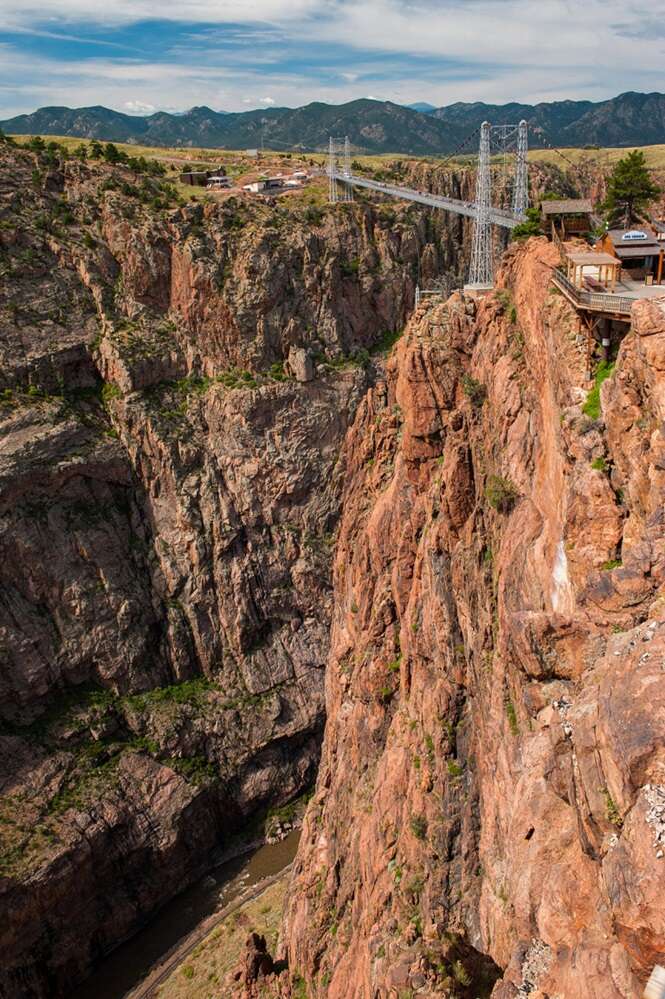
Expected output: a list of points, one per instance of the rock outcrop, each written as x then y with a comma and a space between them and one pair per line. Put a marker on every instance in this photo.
489, 813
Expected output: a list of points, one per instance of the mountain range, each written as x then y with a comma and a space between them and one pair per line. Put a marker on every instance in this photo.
631, 119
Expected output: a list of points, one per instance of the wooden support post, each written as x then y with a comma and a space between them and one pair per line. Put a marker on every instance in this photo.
606, 337
590, 325
660, 268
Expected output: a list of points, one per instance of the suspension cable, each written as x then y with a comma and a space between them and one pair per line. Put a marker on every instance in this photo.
461, 146
555, 149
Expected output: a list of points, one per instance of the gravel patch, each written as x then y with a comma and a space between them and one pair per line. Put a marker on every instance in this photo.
655, 795
536, 962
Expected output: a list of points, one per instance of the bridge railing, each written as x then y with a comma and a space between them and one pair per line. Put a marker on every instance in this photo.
594, 301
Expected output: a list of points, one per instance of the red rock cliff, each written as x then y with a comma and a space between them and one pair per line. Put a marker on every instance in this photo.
490, 808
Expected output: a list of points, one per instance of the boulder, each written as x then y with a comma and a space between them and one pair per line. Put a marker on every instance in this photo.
300, 364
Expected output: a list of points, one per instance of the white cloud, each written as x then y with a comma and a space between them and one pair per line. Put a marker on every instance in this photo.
436, 50
139, 107
119, 12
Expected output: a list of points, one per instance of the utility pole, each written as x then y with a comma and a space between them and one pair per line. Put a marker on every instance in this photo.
521, 189
481, 273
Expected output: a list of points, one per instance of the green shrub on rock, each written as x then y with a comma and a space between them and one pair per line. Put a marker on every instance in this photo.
501, 493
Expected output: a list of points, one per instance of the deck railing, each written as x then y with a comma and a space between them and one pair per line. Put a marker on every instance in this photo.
592, 300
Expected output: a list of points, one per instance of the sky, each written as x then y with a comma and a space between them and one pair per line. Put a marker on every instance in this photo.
139, 56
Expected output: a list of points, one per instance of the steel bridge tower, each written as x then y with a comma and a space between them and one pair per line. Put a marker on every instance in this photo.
521, 189
339, 191
332, 164
481, 272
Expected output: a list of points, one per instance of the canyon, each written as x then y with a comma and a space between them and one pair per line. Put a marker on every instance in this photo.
176, 383
237, 505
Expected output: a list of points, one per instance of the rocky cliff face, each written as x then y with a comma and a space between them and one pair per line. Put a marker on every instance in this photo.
489, 813
176, 384
192, 423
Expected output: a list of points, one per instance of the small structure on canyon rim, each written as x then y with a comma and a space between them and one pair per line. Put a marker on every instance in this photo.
200, 178
566, 218
639, 250
593, 270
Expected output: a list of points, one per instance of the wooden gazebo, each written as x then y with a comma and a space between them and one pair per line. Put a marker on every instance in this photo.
594, 270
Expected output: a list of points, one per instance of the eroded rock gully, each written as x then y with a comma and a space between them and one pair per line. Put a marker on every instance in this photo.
176, 386
489, 807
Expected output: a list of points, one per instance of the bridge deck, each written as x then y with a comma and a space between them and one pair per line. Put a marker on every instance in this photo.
497, 215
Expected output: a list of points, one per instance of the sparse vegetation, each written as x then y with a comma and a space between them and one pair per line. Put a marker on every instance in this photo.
90, 764
384, 345
530, 227
214, 957
110, 392
611, 811
418, 826
461, 974
500, 493
474, 390
591, 407
349, 268
511, 715
298, 987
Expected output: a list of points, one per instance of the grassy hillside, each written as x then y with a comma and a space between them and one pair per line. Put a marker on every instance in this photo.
201, 156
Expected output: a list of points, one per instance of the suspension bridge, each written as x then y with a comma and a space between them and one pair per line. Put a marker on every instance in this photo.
510, 139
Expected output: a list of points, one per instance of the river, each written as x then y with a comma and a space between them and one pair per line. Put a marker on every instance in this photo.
118, 975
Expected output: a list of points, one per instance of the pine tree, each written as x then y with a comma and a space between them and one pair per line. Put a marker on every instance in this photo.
630, 189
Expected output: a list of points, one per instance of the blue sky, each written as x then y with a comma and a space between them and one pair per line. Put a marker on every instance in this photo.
142, 55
